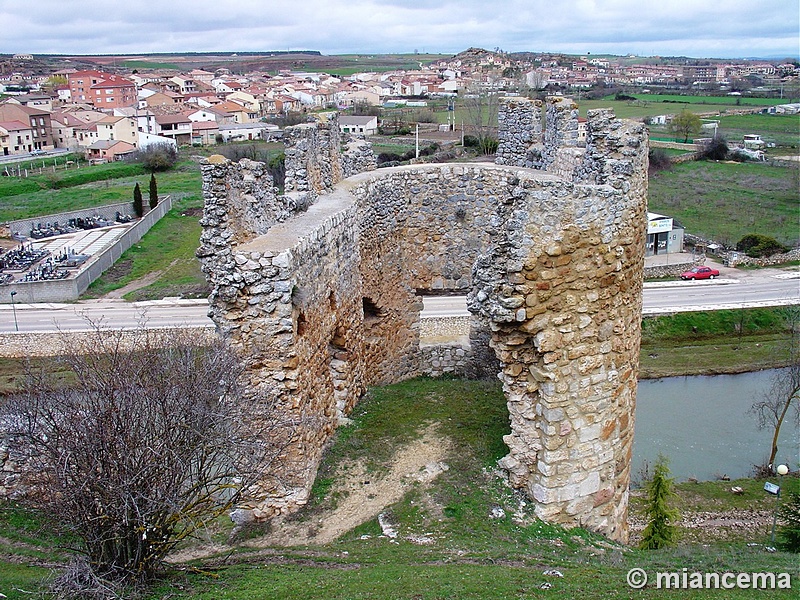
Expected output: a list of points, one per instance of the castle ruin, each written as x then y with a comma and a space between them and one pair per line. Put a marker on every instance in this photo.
319, 290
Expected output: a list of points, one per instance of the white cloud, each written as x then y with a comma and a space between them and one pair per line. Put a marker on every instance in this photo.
674, 27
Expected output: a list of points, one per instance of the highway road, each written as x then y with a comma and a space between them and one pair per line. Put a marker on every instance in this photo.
754, 288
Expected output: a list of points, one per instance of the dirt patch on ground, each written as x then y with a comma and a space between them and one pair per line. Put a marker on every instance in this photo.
365, 495
193, 212
134, 285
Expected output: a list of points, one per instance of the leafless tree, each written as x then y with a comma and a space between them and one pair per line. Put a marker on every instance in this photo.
536, 80
781, 403
141, 444
481, 102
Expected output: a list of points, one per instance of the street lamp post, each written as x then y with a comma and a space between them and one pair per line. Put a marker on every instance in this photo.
771, 488
14, 309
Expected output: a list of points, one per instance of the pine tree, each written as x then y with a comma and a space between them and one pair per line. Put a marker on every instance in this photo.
661, 530
138, 201
789, 530
153, 191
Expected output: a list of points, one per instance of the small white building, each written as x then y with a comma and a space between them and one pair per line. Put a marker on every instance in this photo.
753, 141
365, 125
664, 236
148, 139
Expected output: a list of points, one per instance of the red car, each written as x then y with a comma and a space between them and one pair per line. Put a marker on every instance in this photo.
700, 273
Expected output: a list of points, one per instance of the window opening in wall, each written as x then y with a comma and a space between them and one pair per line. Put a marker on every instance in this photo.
372, 311
300, 324
339, 370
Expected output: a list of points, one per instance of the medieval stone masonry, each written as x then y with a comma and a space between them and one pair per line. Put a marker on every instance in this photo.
318, 288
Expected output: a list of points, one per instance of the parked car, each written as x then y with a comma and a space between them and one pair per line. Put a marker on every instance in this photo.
38, 152
700, 273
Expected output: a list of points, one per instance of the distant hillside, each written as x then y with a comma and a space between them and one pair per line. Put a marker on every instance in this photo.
243, 62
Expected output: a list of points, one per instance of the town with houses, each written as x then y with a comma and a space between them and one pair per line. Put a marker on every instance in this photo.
108, 113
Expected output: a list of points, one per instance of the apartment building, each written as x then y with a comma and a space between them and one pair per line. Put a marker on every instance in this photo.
37, 121
15, 137
118, 128
103, 90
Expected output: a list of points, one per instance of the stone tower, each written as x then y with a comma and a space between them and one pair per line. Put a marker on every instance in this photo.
317, 288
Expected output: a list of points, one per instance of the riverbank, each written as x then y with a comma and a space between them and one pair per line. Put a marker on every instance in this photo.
717, 342
723, 355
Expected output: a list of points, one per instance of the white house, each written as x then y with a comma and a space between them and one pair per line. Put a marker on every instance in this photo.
365, 125
148, 139
202, 115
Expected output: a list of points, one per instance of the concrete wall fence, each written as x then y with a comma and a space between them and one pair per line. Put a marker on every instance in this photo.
71, 288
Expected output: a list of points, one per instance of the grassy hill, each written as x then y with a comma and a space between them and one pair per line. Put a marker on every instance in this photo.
726, 201
408, 506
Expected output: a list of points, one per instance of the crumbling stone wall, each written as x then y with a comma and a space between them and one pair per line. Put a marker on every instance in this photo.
519, 132
326, 303
358, 157
313, 157
445, 359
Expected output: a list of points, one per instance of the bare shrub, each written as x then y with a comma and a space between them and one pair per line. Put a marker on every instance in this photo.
423, 116
716, 149
481, 106
147, 445
78, 580
781, 403
659, 160
156, 157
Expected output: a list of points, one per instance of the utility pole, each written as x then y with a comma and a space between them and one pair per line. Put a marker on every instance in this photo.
14, 309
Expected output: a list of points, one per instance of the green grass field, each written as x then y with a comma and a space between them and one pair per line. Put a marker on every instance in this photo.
86, 187
782, 130
725, 201
166, 253
360, 63
725, 341
650, 105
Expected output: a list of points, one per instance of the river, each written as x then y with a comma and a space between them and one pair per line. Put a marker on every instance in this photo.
702, 425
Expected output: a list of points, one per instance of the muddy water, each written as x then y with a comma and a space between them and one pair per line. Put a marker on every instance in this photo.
702, 425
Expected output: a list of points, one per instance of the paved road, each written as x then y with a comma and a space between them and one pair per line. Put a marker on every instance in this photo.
754, 288
43, 318
14, 158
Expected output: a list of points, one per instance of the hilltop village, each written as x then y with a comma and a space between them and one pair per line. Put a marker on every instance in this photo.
108, 111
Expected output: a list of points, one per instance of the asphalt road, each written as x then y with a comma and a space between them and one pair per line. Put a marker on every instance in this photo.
14, 158
769, 287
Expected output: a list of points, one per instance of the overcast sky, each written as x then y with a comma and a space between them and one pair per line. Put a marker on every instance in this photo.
697, 28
